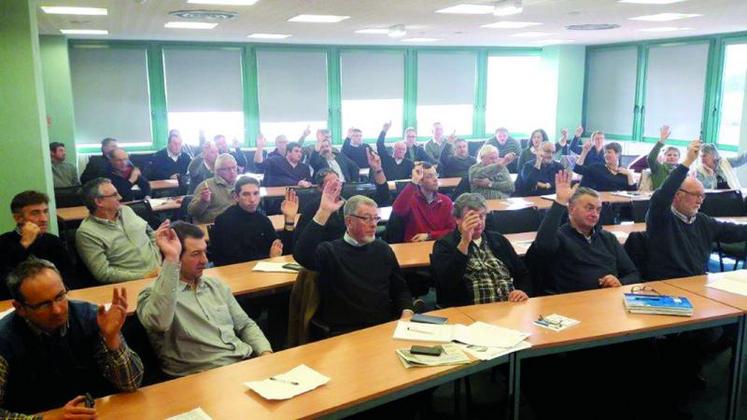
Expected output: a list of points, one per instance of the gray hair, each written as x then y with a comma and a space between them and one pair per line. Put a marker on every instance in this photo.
26, 270
223, 157
582, 191
484, 150
710, 149
468, 201
91, 190
352, 204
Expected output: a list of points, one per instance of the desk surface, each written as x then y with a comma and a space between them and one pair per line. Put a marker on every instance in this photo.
70, 214
699, 286
164, 184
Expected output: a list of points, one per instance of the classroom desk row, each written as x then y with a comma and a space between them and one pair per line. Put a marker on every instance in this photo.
365, 371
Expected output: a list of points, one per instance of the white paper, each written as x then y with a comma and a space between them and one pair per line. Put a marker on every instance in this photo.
437, 333
490, 353
522, 246
272, 267
478, 333
196, 414
556, 322
6, 312
157, 202
287, 385
732, 282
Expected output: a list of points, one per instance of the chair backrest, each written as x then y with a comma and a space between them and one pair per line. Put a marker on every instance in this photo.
350, 189
461, 188
639, 209
474, 146
540, 273
636, 246
306, 196
727, 203
137, 339
514, 221
68, 197
395, 230
183, 212
143, 209
400, 185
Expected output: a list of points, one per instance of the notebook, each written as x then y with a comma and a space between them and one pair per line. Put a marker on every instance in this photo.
637, 303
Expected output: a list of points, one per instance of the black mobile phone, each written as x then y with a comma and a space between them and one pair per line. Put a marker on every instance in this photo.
89, 401
293, 266
429, 319
427, 351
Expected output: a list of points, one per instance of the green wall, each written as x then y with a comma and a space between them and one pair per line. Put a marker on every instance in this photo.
24, 163
571, 62
58, 93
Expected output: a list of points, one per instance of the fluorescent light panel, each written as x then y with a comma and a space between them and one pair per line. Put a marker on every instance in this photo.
190, 25
650, 1
554, 41
530, 34
420, 39
84, 31
468, 9
373, 31
61, 10
224, 2
318, 18
665, 29
665, 17
509, 24
507, 11
268, 36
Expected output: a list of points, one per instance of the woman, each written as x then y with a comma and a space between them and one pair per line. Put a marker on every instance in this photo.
609, 176
530, 153
716, 173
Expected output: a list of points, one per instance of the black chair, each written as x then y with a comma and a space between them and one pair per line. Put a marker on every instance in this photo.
462, 187
137, 339
637, 248
183, 212
395, 230
68, 197
350, 189
514, 221
540, 272
143, 209
306, 196
729, 203
400, 185
608, 216
639, 209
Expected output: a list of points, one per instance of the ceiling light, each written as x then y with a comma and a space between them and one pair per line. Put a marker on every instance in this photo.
396, 31
530, 34
373, 31
554, 41
190, 25
468, 9
665, 17
665, 29
84, 31
318, 18
224, 2
507, 8
58, 10
268, 36
509, 24
420, 39
650, 1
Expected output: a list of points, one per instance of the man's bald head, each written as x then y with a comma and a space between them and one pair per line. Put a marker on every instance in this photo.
689, 197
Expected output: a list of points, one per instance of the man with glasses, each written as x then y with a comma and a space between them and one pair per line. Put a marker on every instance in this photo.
53, 351
114, 243
415, 152
360, 280
213, 196
425, 211
680, 238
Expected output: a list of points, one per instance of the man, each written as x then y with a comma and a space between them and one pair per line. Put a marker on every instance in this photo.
324, 157
238, 155
213, 196
53, 351
562, 146
125, 176
281, 143
243, 232
506, 145
355, 149
435, 146
580, 255
396, 165
283, 171
595, 154
63, 174
472, 266
171, 161
30, 238
360, 280
202, 166
717, 173
98, 166
425, 211
660, 171
193, 322
415, 152
456, 163
539, 176
490, 177
680, 238
607, 176
113, 242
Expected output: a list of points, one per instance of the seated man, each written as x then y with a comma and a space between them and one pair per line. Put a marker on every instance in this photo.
397, 165
283, 171
595, 153
415, 152
607, 176
324, 157
680, 238
53, 351
473, 266
30, 238
98, 166
360, 281
490, 177
222, 145
580, 255
455, 160
425, 211
114, 243
435, 146
125, 176
170, 161
202, 166
355, 149
660, 171
63, 174
539, 176
506, 145
213, 196
243, 232
281, 143
193, 322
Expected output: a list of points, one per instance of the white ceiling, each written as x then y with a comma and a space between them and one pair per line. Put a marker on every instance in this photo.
144, 19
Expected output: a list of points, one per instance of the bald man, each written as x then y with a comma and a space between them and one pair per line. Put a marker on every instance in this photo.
680, 237
396, 165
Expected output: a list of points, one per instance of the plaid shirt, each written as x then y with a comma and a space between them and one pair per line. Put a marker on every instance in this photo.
488, 279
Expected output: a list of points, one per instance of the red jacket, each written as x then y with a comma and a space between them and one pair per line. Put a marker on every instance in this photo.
423, 217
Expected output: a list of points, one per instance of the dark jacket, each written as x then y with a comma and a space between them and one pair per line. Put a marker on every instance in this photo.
392, 169
124, 186
46, 246
239, 236
97, 167
350, 169
162, 166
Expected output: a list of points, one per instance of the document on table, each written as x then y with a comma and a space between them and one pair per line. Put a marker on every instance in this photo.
632, 194
196, 414
272, 267
452, 354
556, 322
478, 334
732, 282
522, 246
287, 385
490, 353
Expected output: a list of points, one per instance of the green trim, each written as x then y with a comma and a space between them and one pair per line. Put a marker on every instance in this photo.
411, 89
251, 95
611, 136
481, 95
712, 92
639, 103
334, 95
670, 142
159, 117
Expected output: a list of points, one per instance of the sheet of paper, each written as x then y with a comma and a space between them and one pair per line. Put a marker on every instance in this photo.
417, 331
488, 335
272, 267
157, 202
6, 312
556, 322
451, 355
522, 246
196, 414
489, 353
734, 283
287, 385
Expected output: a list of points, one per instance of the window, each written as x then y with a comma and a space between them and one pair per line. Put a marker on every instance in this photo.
292, 92
204, 93
446, 92
372, 85
110, 95
516, 88
734, 85
610, 90
675, 89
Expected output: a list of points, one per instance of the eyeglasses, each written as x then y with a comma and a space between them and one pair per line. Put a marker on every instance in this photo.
644, 290
702, 196
230, 168
116, 194
367, 219
47, 305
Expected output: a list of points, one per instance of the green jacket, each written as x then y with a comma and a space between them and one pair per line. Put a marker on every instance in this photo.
659, 171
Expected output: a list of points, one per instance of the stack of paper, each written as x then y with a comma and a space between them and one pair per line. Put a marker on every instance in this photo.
521, 247
556, 322
732, 282
658, 304
287, 385
489, 353
632, 194
452, 355
272, 267
477, 334
196, 414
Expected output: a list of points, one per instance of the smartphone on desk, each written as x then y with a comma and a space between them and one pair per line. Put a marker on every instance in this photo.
427, 351
293, 266
429, 319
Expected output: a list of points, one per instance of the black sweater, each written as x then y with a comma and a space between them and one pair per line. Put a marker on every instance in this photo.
574, 263
451, 166
598, 177
449, 266
240, 236
358, 154
392, 169
162, 166
124, 186
359, 286
676, 248
46, 246
531, 176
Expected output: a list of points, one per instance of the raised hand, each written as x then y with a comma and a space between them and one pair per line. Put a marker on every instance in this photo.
417, 173
579, 131
387, 125
331, 200
168, 242
29, 233
563, 136
510, 157
693, 149
110, 320
374, 160
664, 133
452, 137
306, 132
276, 249
260, 142
135, 174
235, 143
563, 190
350, 132
289, 206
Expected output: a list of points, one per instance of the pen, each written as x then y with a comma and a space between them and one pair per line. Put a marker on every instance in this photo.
285, 381
419, 331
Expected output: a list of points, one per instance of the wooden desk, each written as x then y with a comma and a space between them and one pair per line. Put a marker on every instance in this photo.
519, 203
71, 214
363, 369
164, 184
